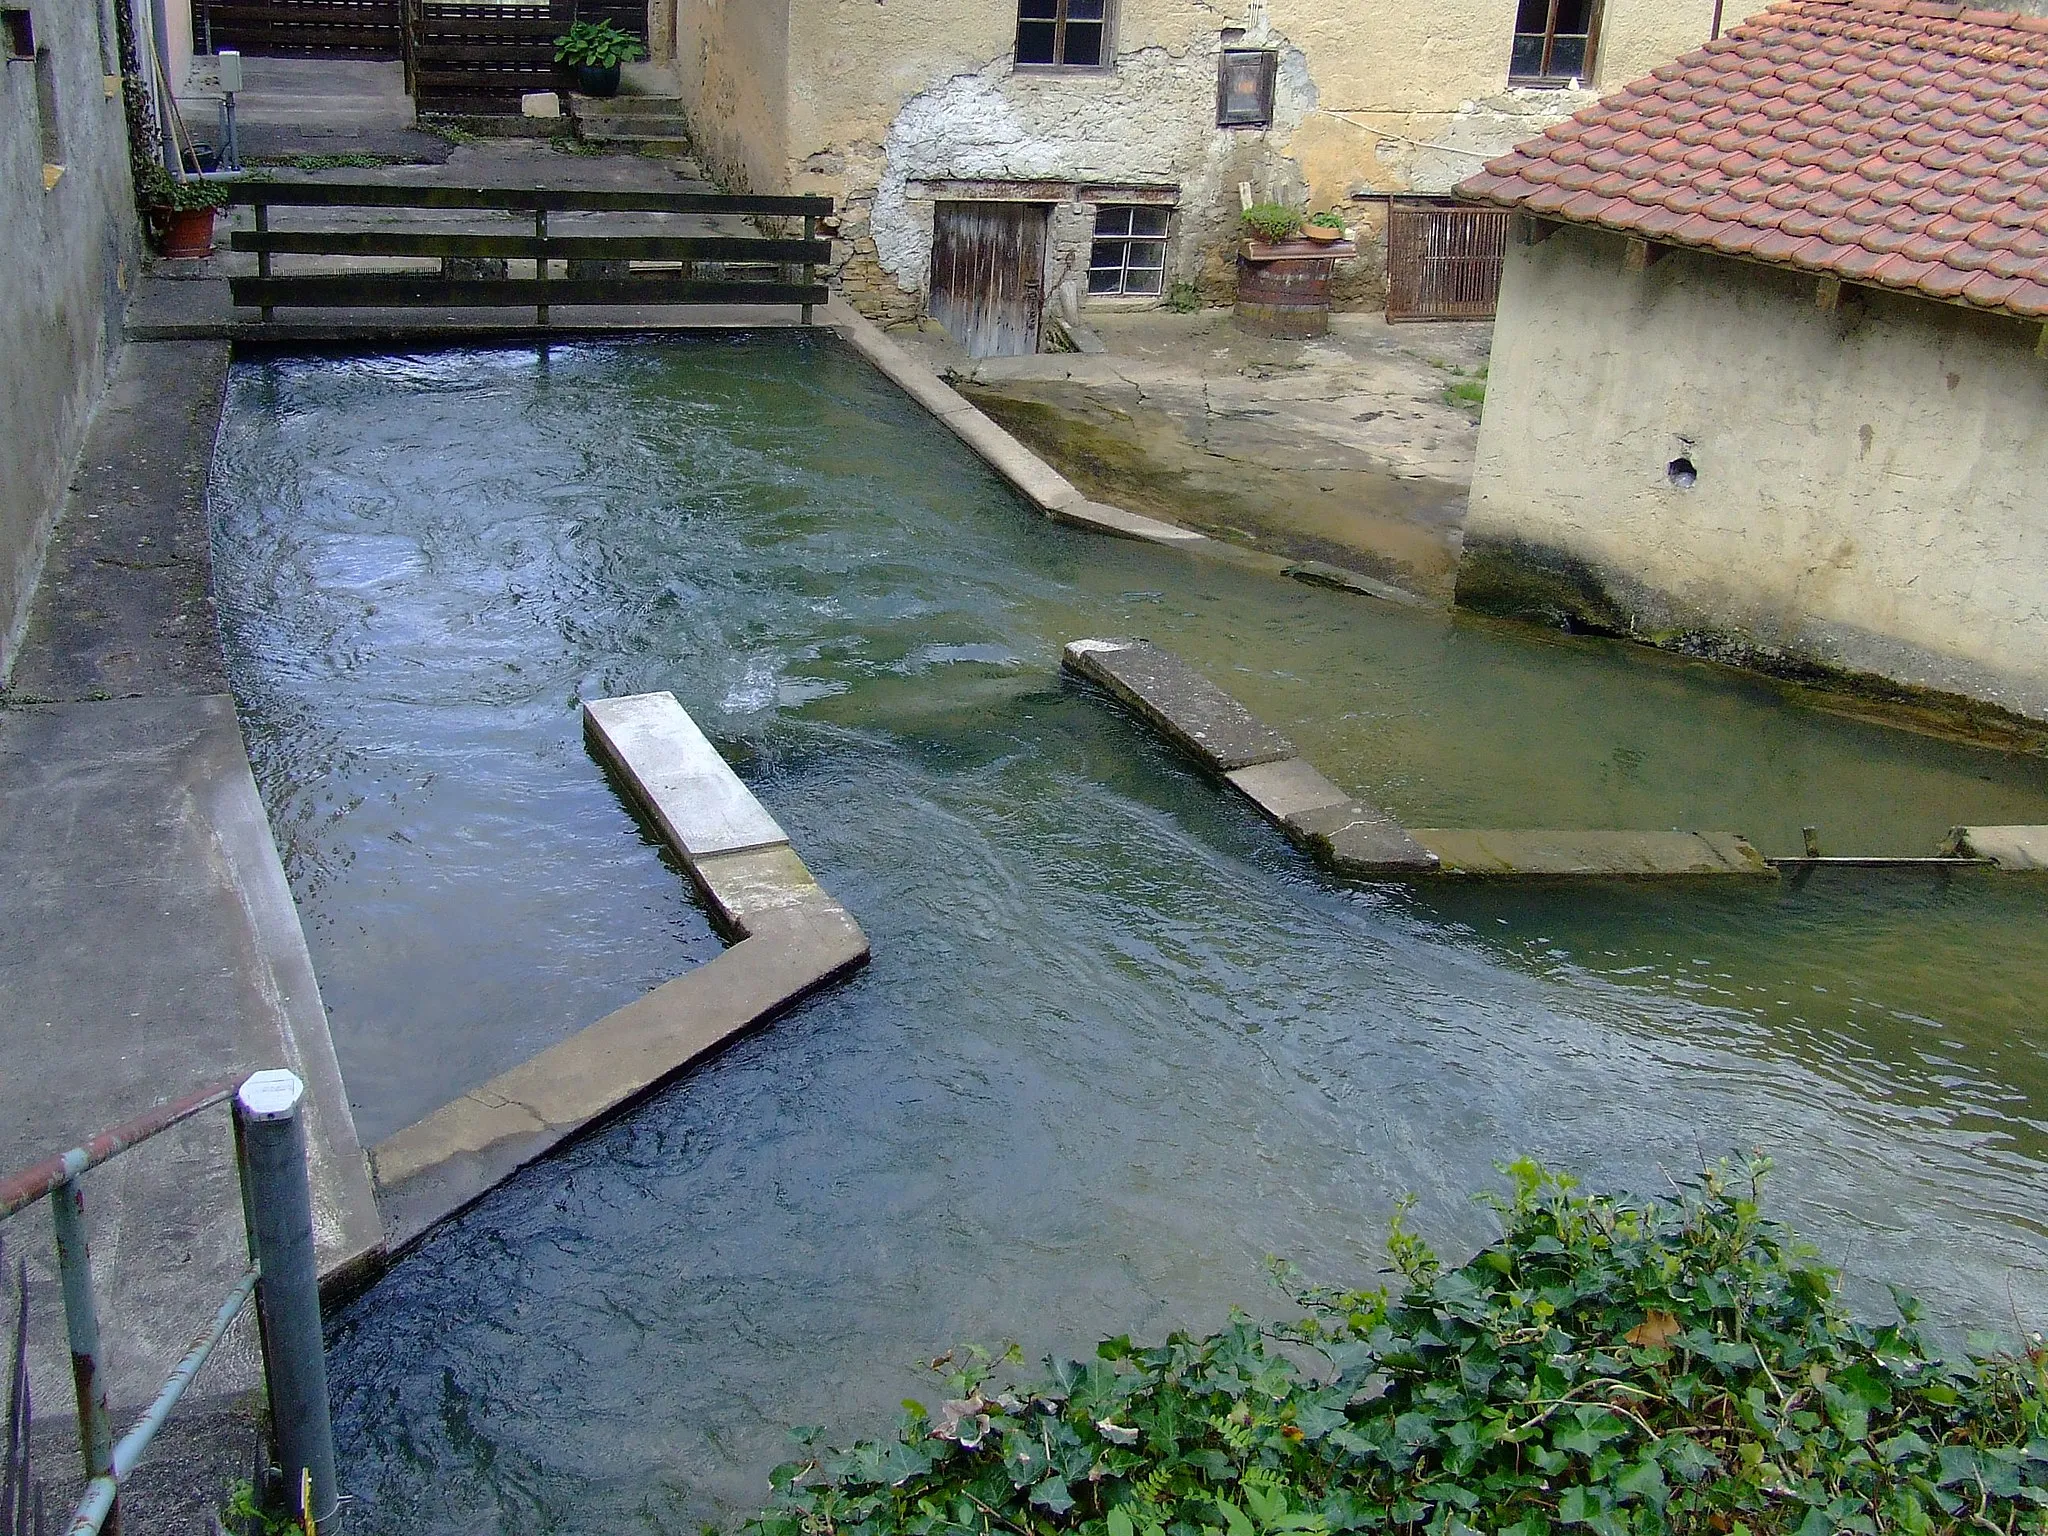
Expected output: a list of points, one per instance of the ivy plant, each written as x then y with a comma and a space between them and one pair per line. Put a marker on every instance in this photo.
1609, 1365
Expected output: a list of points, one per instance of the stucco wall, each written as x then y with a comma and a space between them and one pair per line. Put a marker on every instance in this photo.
731, 61
69, 254
879, 100
1869, 480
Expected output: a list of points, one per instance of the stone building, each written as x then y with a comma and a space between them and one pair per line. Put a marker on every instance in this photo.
1019, 148
69, 247
1768, 378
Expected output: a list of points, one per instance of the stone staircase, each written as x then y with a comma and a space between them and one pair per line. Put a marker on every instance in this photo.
651, 125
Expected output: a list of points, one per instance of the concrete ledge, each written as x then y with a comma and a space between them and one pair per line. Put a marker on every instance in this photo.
2009, 848
1051, 492
1624, 854
793, 939
1185, 706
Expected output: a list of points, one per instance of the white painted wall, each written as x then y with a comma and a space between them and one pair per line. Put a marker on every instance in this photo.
1873, 482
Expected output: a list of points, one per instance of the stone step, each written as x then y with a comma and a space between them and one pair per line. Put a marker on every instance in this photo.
631, 130
625, 106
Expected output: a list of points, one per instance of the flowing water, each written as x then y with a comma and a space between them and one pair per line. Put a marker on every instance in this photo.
1119, 1041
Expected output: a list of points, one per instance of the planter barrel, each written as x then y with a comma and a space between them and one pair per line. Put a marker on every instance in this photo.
598, 79
1283, 289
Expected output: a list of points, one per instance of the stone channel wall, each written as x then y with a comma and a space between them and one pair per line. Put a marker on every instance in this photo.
69, 251
1865, 488
891, 108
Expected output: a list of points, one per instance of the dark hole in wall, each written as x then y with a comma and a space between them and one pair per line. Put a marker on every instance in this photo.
20, 33
1681, 473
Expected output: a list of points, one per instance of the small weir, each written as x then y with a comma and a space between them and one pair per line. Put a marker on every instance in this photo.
1118, 1040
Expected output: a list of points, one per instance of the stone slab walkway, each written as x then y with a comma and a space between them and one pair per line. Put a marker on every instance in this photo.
792, 940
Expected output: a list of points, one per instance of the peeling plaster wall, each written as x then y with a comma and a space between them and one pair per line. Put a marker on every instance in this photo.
870, 101
1868, 491
70, 252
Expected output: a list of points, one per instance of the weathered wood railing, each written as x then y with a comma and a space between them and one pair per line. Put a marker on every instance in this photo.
595, 266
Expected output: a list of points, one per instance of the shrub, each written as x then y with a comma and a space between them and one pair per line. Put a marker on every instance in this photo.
1271, 221
1609, 1365
598, 44
155, 189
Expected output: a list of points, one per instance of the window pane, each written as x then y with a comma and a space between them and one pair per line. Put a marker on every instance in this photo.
1567, 57
1147, 253
1106, 253
1084, 42
1148, 221
1110, 281
1527, 62
1037, 10
1574, 17
1091, 10
1136, 281
1034, 42
1530, 16
1112, 221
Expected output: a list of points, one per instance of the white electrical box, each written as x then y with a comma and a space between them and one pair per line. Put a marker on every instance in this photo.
230, 65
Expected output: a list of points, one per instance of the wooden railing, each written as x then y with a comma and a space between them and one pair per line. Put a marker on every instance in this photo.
597, 266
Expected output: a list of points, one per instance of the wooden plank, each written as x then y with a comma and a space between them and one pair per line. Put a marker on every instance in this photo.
691, 792
403, 290
339, 194
730, 249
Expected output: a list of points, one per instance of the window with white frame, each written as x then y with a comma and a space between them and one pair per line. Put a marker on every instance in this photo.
1129, 254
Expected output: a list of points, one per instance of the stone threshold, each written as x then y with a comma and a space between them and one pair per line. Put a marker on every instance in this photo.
791, 939
1359, 839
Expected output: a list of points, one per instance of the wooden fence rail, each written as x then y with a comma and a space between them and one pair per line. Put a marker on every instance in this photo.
707, 269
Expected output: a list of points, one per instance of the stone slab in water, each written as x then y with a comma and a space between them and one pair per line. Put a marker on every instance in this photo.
1360, 839
692, 793
1479, 851
2015, 848
1192, 711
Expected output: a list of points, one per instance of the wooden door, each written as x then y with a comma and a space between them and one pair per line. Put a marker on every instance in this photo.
988, 275
1444, 260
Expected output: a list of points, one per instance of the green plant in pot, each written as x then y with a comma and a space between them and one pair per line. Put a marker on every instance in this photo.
1272, 222
179, 214
596, 49
1326, 227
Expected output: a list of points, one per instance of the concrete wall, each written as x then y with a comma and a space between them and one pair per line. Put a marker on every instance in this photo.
1869, 479
731, 60
878, 102
68, 247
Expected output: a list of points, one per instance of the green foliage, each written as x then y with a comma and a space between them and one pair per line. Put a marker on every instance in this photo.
1467, 392
598, 44
155, 189
349, 160
1183, 298
1271, 221
1608, 1365
245, 1512
1327, 219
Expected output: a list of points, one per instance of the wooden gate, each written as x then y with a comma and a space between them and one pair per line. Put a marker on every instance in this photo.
988, 275
304, 29
1444, 260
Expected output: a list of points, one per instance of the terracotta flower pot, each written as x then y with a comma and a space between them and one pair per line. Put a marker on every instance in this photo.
188, 232
1321, 235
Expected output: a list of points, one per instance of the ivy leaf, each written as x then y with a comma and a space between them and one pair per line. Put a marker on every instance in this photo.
1053, 1496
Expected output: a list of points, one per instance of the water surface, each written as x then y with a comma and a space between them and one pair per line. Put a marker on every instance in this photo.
1118, 1041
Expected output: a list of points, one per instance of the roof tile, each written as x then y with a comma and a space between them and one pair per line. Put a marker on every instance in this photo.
1897, 142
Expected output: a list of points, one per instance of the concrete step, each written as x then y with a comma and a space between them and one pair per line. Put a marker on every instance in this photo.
631, 128
623, 105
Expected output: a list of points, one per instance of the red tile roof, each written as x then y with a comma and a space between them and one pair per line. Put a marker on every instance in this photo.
1898, 143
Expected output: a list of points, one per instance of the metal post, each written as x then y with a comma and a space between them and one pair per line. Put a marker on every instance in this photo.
279, 1203
82, 1323
810, 268
540, 260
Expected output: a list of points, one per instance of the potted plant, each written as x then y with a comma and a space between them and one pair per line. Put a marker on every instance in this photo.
1271, 222
1324, 228
596, 49
180, 213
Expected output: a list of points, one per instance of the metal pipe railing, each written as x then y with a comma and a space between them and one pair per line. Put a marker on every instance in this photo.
270, 1156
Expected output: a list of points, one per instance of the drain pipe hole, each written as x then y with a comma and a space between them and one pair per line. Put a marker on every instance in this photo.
1680, 472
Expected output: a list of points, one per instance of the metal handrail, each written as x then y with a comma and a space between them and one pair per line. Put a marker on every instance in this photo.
270, 1157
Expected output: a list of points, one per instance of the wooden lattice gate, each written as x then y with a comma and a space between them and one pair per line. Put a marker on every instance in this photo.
1444, 260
